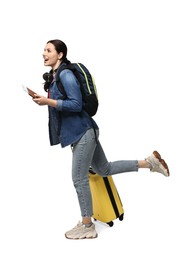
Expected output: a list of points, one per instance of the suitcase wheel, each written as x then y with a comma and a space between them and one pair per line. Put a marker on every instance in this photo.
110, 223
121, 217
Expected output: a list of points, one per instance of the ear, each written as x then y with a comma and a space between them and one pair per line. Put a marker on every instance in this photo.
60, 55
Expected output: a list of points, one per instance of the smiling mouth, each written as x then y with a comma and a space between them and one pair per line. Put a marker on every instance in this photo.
46, 59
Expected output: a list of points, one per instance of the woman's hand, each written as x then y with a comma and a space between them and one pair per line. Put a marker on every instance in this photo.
40, 100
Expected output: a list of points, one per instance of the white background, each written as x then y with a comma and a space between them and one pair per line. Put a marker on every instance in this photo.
138, 52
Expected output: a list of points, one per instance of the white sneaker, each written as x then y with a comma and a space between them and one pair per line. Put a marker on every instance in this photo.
158, 164
73, 229
80, 231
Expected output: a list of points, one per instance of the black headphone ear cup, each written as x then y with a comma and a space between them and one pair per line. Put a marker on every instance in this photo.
45, 76
48, 77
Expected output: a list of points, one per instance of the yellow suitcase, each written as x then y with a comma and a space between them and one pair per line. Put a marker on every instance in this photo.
107, 204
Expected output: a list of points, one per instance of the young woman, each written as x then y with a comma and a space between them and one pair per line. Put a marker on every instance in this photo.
69, 124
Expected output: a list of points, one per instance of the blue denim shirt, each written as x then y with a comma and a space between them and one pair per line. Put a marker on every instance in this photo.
68, 121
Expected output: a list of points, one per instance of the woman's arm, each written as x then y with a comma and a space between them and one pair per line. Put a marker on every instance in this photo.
73, 100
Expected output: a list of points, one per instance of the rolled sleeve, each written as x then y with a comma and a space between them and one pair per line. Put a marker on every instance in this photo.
59, 104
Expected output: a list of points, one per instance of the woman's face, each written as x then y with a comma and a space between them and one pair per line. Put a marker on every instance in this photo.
51, 57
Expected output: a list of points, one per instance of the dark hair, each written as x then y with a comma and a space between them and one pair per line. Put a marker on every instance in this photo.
60, 46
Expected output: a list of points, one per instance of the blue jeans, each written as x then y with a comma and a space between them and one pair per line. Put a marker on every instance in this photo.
88, 152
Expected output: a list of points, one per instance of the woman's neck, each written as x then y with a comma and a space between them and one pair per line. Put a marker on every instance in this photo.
56, 66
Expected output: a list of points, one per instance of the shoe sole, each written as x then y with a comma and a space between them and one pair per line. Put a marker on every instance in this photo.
81, 238
164, 164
